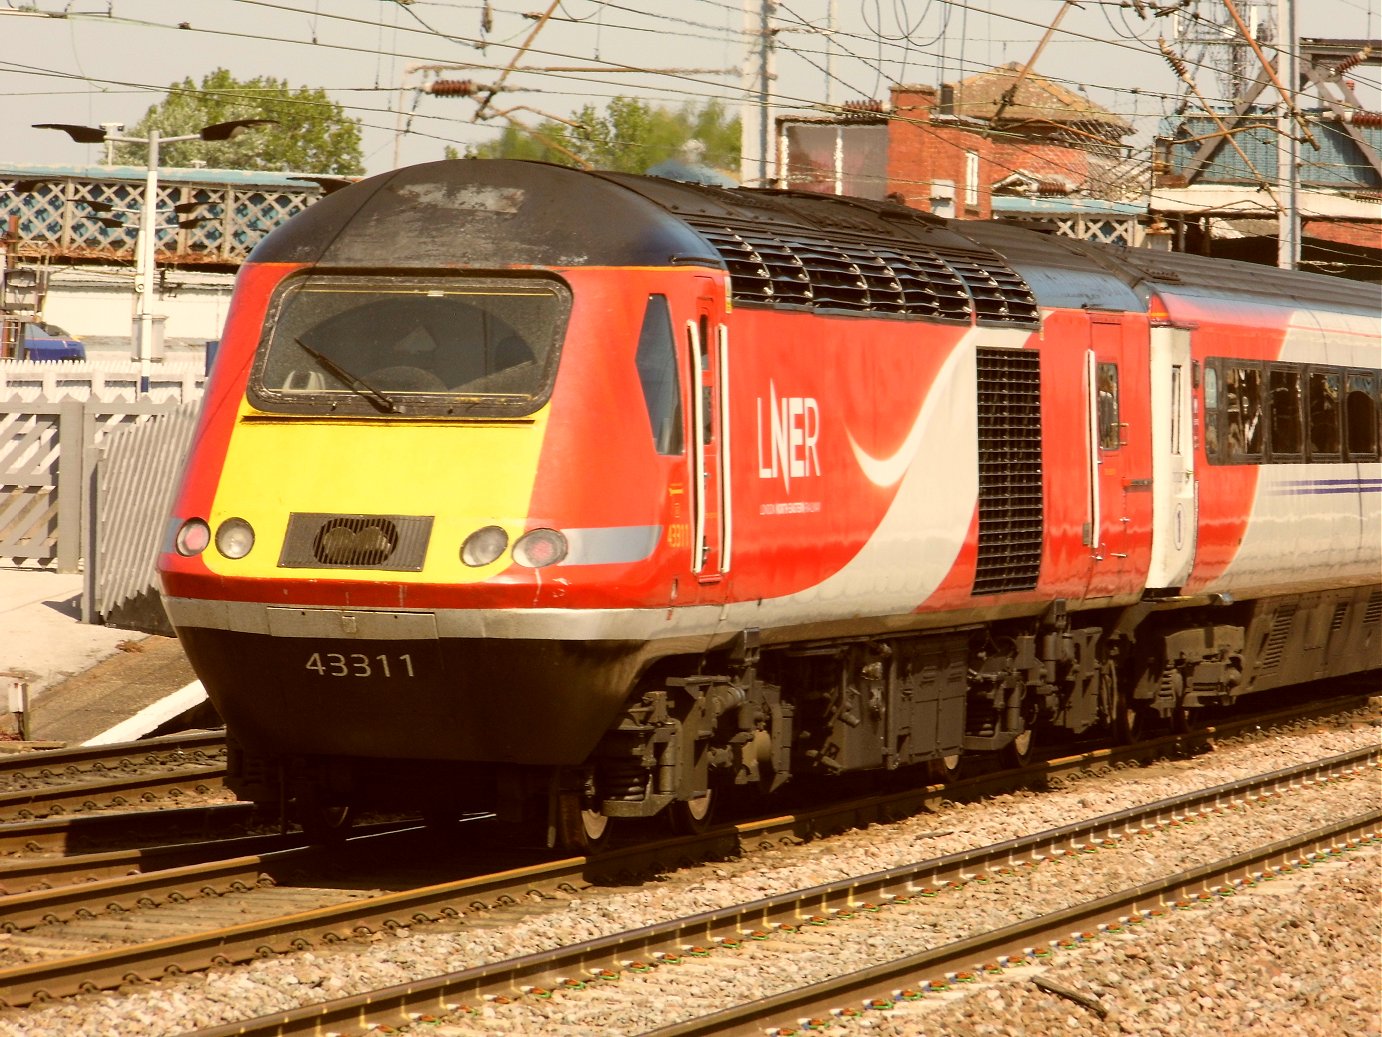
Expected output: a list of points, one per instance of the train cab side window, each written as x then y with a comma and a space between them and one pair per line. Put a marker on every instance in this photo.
1322, 397
657, 372
1286, 439
1360, 415
1107, 375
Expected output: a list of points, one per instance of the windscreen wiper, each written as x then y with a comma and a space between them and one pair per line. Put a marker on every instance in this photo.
351, 381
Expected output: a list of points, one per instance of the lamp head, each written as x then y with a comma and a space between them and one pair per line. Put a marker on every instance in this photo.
81, 134
233, 128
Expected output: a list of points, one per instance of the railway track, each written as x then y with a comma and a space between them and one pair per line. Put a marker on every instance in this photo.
86, 779
203, 895
638, 972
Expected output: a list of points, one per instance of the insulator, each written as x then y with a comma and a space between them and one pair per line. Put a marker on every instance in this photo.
1368, 120
452, 87
1350, 61
1177, 65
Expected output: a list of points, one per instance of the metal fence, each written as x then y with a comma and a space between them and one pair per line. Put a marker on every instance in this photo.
63, 213
87, 473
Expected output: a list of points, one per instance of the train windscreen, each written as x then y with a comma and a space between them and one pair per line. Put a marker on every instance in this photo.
457, 346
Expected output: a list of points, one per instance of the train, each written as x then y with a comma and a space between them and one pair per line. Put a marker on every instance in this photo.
583, 497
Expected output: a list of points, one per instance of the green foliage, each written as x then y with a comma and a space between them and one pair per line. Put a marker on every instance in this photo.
313, 134
629, 136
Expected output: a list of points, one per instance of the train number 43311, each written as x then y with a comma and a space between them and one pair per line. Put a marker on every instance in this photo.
358, 664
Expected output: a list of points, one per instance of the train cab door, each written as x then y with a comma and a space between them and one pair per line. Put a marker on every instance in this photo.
707, 349
1106, 522
1173, 459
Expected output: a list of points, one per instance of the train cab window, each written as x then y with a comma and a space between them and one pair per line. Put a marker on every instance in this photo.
657, 373
415, 345
1322, 399
1360, 415
1286, 438
1107, 375
1242, 407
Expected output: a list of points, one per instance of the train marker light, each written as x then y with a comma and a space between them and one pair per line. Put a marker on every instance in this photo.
484, 546
234, 538
192, 537
539, 547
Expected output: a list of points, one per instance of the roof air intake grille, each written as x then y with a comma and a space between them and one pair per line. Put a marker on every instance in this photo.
788, 266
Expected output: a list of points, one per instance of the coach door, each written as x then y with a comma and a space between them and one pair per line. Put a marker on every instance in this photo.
707, 349
1173, 459
1106, 524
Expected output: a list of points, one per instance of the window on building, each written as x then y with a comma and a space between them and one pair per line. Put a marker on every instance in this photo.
972, 179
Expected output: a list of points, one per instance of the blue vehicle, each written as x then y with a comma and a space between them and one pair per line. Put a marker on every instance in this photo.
50, 342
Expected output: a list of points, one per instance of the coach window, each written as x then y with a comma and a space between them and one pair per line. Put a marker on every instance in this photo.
657, 373
1360, 415
1286, 439
1322, 398
1211, 410
1243, 413
1107, 375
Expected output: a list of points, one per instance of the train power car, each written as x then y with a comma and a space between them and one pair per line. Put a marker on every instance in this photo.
581, 496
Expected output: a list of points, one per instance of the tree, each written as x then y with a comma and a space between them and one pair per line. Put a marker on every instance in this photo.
630, 136
312, 135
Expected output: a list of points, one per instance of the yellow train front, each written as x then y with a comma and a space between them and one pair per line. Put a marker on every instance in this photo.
421, 551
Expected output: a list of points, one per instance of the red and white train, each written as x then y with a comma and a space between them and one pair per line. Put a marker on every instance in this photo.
539, 490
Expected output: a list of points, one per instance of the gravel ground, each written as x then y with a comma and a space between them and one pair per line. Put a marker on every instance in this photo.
1307, 963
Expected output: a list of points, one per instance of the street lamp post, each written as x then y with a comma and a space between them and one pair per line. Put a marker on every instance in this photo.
147, 243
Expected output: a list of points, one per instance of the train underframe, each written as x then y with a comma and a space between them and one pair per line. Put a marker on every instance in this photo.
754, 717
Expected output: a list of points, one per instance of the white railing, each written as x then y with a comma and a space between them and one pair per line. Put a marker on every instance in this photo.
108, 379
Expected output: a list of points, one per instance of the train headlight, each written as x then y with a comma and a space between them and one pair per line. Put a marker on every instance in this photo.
539, 547
234, 538
484, 546
192, 537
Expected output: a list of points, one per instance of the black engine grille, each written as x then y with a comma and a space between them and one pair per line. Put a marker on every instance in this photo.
1010, 492
396, 543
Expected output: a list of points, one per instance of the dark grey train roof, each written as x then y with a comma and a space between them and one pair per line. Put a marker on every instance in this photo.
781, 248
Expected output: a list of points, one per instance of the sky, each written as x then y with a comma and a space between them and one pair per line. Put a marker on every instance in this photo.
106, 61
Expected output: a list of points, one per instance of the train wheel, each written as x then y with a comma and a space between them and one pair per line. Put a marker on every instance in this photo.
693, 816
1182, 721
942, 771
595, 830
1018, 752
1129, 719
579, 828
325, 824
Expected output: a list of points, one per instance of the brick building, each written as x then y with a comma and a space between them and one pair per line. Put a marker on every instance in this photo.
953, 150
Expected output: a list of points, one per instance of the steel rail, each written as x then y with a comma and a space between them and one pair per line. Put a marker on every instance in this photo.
28, 804
163, 874
58, 834
1010, 943
48, 874
544, 969
46, 763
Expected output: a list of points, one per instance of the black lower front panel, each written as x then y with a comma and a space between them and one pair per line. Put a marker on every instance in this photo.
478, 700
